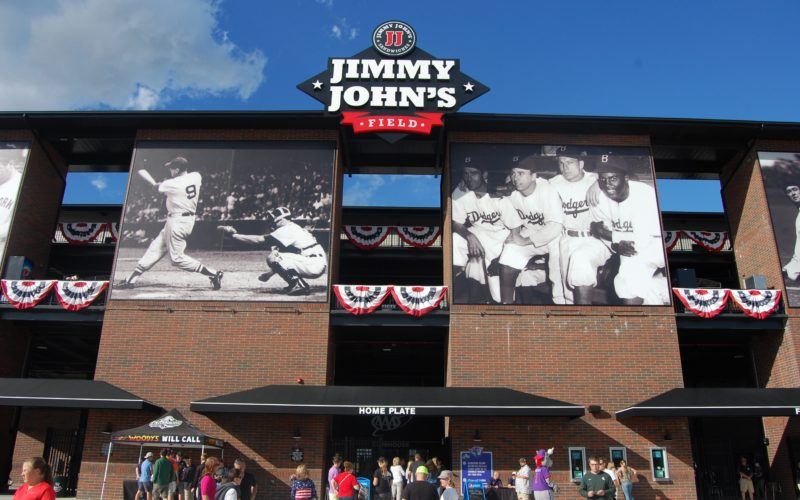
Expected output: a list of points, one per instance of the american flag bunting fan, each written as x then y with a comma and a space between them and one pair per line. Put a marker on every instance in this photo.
113, 227
24, 294
671, 239
367, 237
79, 233
705, 303
77, 295
710, 240
757, 303
361, 299
418, 300
418, 236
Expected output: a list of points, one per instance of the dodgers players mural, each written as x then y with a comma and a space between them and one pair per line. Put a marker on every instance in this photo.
227, 221
13, 157
781, 174
555, 224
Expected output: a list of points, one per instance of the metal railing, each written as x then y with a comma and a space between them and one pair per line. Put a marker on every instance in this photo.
388, 306
686, 244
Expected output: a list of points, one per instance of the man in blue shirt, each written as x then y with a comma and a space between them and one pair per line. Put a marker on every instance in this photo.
145, 477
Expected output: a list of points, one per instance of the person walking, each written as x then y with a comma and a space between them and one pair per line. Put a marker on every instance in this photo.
163, 475
611, 471
346, 484
207, 486
303, 488
596, 483
626, 476
145, 477
398, 479
382, 480
37, 481
448, 486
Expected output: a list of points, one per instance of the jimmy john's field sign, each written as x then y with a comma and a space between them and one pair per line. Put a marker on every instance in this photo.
393, 86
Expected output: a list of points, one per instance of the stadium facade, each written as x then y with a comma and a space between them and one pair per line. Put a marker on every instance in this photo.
531, 348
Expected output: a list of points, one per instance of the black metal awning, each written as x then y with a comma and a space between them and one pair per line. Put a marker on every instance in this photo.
368, 400
67, 393
719, 402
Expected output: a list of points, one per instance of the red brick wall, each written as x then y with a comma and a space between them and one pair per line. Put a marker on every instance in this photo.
755, 250
14, 340
608, 356
172, 353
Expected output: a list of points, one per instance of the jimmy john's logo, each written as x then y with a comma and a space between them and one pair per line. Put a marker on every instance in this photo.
394, 38
393, 86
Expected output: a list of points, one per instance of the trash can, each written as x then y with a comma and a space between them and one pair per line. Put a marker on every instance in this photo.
60, 486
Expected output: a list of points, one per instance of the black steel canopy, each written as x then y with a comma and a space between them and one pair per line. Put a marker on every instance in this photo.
718, 402
381, 400
67, 393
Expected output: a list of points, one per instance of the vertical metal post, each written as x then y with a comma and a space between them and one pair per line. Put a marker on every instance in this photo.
105, 473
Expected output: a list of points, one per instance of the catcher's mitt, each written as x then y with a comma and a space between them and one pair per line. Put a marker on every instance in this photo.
227, 229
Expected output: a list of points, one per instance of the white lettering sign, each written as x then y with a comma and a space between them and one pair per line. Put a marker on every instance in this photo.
387, 410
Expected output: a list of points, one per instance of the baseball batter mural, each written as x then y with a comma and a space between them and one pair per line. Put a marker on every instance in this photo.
781, 174
226, 221
569, 225
13, 158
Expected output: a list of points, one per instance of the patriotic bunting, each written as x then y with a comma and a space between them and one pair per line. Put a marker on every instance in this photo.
671, 239
24, 294
418, 300
77, 295
361, 299
113, 227
712, 241
757, 303
705, 303
79, 233
367, 237
419, 237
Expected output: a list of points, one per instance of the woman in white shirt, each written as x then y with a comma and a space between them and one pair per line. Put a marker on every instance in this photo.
446, 480
398, 476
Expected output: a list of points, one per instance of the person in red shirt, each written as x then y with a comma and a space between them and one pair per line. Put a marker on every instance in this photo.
346, 482
37, 479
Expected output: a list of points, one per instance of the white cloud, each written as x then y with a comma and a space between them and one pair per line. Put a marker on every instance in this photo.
99, 182
326, 3
336, 32
353, 33
342, 28
360, 190
139, 54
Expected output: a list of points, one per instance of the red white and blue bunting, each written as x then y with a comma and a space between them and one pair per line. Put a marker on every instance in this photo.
705, 303
80, 233
710, 240
757, 303
367, 237
24, 294
72, 295
77, 295
113, 228
418, 300
361, 299
670, 239
416, 236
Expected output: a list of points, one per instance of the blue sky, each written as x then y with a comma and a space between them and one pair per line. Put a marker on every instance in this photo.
736, 60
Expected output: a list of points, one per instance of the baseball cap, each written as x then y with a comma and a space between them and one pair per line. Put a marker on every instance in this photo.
530, 162
446, 474
422, 470
149, 454
578, 152
611, 163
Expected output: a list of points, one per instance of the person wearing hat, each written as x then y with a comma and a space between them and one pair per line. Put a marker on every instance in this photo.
144, 475
533, 214
421, 489
447, 482
522, 484
478, 233
627, 219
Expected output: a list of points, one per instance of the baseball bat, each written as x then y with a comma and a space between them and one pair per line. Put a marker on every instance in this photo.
144, 174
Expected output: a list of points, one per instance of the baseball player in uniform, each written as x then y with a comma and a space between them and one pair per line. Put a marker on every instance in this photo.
478, 230
10, 179
580, 253
792, 268
182, 191
627, 218
295, 253
535, 220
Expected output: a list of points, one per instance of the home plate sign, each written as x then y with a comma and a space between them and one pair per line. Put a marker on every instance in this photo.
393, 86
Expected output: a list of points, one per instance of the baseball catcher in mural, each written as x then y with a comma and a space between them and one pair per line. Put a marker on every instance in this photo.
295, 254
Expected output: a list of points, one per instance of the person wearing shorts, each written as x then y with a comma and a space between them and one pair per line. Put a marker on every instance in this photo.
746, 479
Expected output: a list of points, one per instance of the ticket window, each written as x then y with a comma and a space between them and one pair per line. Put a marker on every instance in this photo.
658, 464
617, 453
577, 463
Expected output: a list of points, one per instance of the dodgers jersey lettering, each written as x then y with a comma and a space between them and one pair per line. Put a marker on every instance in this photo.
482, 214
292, 235
535, 210
182, 192
573, 200
634, 219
